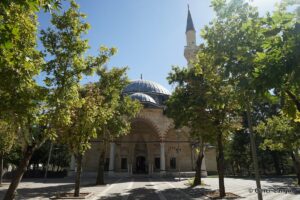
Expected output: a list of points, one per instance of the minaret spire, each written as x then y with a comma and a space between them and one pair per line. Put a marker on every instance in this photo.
191, 46
189, 24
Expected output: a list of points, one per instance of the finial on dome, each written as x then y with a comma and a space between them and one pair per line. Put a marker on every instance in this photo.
141, 76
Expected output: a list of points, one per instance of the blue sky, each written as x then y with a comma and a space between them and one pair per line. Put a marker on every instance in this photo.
149, 34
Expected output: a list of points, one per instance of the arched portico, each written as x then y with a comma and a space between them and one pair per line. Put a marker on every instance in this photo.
152, 146
139, 151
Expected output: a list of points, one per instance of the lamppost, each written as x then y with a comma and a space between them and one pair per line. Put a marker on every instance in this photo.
49, 158
178, 150
48, 161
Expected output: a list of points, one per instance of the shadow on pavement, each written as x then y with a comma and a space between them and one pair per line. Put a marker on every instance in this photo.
46, 192
147, 193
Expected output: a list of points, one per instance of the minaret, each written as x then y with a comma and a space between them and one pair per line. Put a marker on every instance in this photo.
190, 49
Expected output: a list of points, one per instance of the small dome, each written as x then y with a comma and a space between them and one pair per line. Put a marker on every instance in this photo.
148, 87
144, 98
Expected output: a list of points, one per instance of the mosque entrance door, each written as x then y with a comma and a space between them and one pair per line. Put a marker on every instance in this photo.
140, 164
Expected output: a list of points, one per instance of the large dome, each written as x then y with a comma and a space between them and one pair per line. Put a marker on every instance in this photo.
143, 86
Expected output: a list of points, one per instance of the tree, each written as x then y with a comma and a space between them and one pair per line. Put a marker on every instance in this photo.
7, 139
69, 64
187, 108
204, 102
20, 96
238, 39
32, 133
69, 109
81, 130
233, 38
222, 104
122, 108
19, 62
282, 133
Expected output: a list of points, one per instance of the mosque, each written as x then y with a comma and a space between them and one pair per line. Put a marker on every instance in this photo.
153, 146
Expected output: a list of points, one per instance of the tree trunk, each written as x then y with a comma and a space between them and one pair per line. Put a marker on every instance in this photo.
254, 155
1, 168
100, 173
220, 164
296, 166
10, 194
197, 180
78, 175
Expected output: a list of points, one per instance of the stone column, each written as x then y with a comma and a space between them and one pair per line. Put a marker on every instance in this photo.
112, 158
71, 171
128, 168
150, 168
73, 163
162, 158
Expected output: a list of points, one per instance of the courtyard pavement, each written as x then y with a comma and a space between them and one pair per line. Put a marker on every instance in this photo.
139, 187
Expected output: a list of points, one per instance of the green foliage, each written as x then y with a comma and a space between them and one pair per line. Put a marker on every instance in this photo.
186, 106
60, 156
78, 134
77, 115
64, 44
7, 136
12, 15
203, 100
238, 152
232, 39
280, 133
32, 5
121, 108
21, 98
257, 56
14, 156
19, 60
274, 59
277, 64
